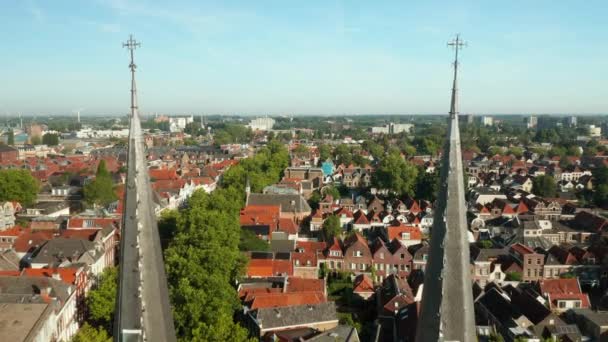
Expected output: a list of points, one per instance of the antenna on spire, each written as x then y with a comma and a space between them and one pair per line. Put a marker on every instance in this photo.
132, 44
457, 44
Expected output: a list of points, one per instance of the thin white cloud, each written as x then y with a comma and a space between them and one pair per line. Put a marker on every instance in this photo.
193, 19
35, 11
109, 28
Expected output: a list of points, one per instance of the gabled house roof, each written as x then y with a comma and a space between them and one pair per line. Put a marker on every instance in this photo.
363, 284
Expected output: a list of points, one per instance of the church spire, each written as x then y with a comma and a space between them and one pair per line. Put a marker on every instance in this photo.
132, 44
457, 44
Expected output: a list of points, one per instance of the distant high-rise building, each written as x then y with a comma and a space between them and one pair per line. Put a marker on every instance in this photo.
547, 122
469, 118
392, 128
486, 121
531, 121
595, 131
399, 128
178, 124
261, 124
570, 121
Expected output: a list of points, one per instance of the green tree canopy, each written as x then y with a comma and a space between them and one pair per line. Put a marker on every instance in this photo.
427, 185
35, 140
600, 196
544, 186
101, 301
395, 174
101, 190
250, 242
202, 263
18, 185
332, 227
324, 152
343, 154
88, 333
50, 139
10, 139
301, 150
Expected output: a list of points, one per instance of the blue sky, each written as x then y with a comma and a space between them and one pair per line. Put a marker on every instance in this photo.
303, 57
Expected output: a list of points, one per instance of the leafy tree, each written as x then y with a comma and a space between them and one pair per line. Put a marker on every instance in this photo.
496, 337
544, 186
426, 145
360, 160
202, 263
513, 276
101, 301
88, 333
332, 227
18, 185
485, 244
301, 150
250, 242
36, 140
494, 150
50, 139
343, 154
375, 149
600, 196
395, 174
314, 200
10, 139
564, 162
427, 185
347, 318
330, 190
100, 191
516, 151
557, 151
601, 175
263, 169
567, 275
324, 152
167, 226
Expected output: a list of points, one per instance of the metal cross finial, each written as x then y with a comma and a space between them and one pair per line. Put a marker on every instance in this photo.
131, 44
457, 44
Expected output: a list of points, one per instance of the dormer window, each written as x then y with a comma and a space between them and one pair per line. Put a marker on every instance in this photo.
357, 253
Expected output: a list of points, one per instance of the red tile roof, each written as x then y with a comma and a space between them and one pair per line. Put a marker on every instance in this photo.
163, 174
521, 249
260, 214
271, 300
269, 267
288, 226
295, 284
68, 274
394, 232
563, 289
363, 284
30, 239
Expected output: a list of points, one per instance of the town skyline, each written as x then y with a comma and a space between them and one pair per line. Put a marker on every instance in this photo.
335, 59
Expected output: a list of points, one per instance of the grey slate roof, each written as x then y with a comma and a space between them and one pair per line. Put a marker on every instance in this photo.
272, 318
342, 332
9, 261
60, 249
289, 203
27, 289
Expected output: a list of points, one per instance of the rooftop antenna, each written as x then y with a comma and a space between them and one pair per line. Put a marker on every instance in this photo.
457, 44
